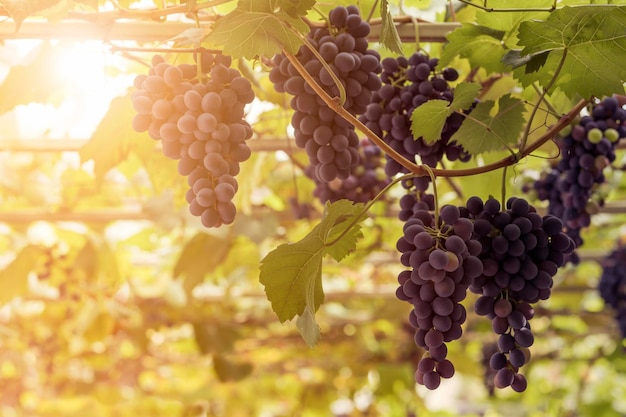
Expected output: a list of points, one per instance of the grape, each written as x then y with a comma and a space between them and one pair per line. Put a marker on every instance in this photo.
586, 149
612, 284
437, 282
365, 181
517, 270
411, 82
344, 47
201, 125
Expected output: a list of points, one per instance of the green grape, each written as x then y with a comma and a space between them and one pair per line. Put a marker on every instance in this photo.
612, 135
595, 135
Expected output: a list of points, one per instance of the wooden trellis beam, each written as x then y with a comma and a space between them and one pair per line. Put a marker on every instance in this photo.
144, 31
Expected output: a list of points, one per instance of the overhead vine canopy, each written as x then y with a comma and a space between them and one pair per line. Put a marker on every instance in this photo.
174, 173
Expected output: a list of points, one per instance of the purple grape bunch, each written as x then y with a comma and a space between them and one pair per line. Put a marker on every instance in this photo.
200, 122
586, 150
362, 185
407, 83
329, 140
521, 252
612, 284
442, 260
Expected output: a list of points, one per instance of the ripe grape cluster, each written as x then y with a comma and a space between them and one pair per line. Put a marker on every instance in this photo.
585, 151
363, 184
520, 253
199, 120
612, 285
407, 83
443, 262
329, 140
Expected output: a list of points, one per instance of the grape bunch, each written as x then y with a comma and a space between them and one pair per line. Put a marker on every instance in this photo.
363, 184
329, 140
520, 253
199, 119
407, 84
585, 151
443, 262
612, 285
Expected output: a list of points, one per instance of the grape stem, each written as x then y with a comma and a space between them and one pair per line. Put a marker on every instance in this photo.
333, 103
419, 170
542, 97
492, 9
367, 206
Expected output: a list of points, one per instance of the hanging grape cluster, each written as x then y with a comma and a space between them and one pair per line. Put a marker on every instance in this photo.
612, 285
199, 119
363, 184
443, 262
521, 252
407, 84
586, 150
329, 140
508, 257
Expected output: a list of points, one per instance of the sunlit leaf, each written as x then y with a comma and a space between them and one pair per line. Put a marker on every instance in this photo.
428, 120
481, 45
292, 273
114, 138
388, 33
254, 29
200, 256
14, 278
229, 370
26, 84
483, 131
215, 338
586, 43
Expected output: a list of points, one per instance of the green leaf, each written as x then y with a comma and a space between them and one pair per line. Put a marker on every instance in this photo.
27, 83
593, 40
427, 120
464, 95
292, 273
483, 131
388, 33
228, 370
14, 278
114, 138
481, 45
254, 29
308, 328
200, 256
215, 338
296, 8
509, 22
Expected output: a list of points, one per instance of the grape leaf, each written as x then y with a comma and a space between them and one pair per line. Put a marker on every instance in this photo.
14, 278
481, 45
509, 22
200, 256
388, 33
483, 131
25, 83
428, 120
114, 138
229, 370
296, 8
593, 40
308, 328
292, 273
255, 29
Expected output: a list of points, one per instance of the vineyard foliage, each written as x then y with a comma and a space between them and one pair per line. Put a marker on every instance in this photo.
117, 301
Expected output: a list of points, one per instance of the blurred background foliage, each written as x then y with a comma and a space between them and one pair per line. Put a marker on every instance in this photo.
116, 302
